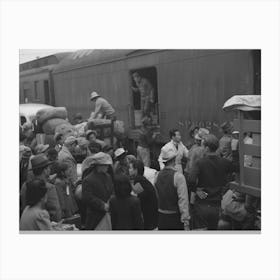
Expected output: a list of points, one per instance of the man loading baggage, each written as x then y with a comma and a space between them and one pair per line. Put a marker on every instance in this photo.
103, 109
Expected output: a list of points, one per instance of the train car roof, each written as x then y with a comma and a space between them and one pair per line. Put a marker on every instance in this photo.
90, 57
44, 61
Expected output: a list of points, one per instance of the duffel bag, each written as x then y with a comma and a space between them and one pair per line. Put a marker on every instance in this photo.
46, 114
66, 129
50, 125
98, 122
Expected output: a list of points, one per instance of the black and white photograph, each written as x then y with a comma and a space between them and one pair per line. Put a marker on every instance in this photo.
140, 139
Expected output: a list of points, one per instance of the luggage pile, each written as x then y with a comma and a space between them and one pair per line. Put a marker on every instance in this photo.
52, 121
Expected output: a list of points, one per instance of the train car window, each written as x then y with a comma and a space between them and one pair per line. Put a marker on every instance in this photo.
47, 91
144, 94
26, 95
36, 90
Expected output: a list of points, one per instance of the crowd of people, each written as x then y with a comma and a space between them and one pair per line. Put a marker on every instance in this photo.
113, 190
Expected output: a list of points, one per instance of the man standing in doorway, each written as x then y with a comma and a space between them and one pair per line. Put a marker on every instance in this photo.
147, 93
178, 147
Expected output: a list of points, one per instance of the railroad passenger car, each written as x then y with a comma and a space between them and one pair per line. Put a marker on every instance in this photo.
191, 85
36, 83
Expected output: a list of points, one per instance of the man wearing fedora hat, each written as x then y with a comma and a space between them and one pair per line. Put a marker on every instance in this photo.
66, 156
172, 191
97, 188
103, 109
41, 170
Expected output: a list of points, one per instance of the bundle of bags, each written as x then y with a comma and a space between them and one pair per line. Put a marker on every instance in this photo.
54, 120
119, 128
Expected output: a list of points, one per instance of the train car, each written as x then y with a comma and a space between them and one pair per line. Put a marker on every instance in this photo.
36, 83
191, 86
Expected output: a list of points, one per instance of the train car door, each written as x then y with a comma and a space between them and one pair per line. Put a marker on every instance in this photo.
144, 83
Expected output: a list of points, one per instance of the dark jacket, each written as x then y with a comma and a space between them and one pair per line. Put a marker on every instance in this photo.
149, 203
52, 204
97, 189
126, 213
210, 174
167, 193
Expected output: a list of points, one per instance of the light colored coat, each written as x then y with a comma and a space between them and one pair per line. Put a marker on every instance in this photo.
65, 156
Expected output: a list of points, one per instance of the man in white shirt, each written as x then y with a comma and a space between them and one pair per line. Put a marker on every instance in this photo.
178, 147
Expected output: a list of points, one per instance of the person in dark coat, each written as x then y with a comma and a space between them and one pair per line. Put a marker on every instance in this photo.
41, 170
97, 188
125, 209
146, 193
207, 179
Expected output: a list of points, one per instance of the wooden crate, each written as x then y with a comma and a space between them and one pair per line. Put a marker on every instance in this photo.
250, 176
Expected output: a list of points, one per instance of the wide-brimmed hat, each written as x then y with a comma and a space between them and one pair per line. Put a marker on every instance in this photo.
118, 152
93, 95
167, 154
41, 148
97, 159
201, 133
39, 161
235, 132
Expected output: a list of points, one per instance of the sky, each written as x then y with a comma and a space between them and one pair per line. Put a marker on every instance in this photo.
31, 54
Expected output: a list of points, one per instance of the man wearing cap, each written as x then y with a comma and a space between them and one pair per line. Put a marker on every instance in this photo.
178, 147
66, 156
97, 188
121, 164
172, 192
41, 170
103, 109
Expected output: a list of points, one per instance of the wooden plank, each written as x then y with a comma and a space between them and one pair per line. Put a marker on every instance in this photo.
252, 150
245, 189
241, 147
252, 177
248, 125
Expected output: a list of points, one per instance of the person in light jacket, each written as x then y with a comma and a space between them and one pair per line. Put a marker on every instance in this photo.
66, 156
